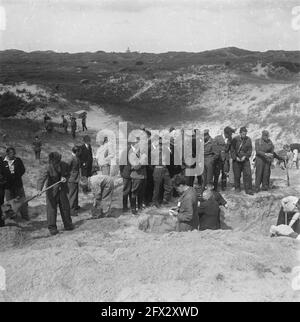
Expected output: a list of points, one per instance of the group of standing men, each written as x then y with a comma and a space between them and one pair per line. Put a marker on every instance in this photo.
153, 184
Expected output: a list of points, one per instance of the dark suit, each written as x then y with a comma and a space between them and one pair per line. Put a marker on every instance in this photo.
209, 214
73, 183
222, 162
86, 160
242, 148
56, 196
14, 184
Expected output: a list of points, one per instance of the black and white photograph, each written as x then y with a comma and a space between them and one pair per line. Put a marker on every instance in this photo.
149, 153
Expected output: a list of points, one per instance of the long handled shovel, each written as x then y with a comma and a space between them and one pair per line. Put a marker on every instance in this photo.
11, 207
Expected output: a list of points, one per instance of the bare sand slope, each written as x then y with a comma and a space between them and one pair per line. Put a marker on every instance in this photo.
111, 259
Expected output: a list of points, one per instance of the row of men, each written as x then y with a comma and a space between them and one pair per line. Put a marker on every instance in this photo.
153, 184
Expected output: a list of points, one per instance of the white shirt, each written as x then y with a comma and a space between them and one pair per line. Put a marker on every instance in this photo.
11, 165
104, 154
289, 204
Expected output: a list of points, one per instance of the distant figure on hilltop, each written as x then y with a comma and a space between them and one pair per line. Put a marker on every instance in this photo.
73, 127
83, 122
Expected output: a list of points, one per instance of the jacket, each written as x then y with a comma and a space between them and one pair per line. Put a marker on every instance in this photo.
13, 173
86, 160
74, 168
262, 147
137, 158
210, 149
52, 174
222, 147
209, 214
241, 147
187, 210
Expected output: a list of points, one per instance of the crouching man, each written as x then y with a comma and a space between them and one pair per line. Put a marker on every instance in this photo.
102, 187
186, 210
289, 213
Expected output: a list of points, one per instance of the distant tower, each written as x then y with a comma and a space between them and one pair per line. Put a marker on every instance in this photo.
128, 50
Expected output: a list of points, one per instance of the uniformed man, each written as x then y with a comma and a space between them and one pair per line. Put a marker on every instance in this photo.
138, 161
186, 210
57, 196
210, 156
161, 176
222, 165
73, 182
241, 150
102, 187
264, 157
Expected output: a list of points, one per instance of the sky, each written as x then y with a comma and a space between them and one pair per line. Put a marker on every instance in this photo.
149, 25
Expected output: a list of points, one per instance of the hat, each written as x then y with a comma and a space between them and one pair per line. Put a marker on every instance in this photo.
229, 130
243, 129
206, 131
265, 132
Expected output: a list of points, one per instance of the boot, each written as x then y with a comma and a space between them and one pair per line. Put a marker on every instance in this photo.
125, 203
133, 205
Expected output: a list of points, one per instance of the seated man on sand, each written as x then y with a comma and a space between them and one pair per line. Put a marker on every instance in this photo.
289, 213
209, 212
186, 210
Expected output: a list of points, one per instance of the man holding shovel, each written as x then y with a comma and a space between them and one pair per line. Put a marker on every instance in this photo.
56, 174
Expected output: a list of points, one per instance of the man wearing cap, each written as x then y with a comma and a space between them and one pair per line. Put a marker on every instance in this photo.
264, 157
160, 157
289, 213
210, 155
241, 150
138, 160
222, 165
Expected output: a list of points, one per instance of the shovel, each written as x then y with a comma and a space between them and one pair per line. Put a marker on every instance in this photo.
12, 207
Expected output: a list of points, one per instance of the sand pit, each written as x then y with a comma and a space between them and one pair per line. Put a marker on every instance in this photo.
11, 237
